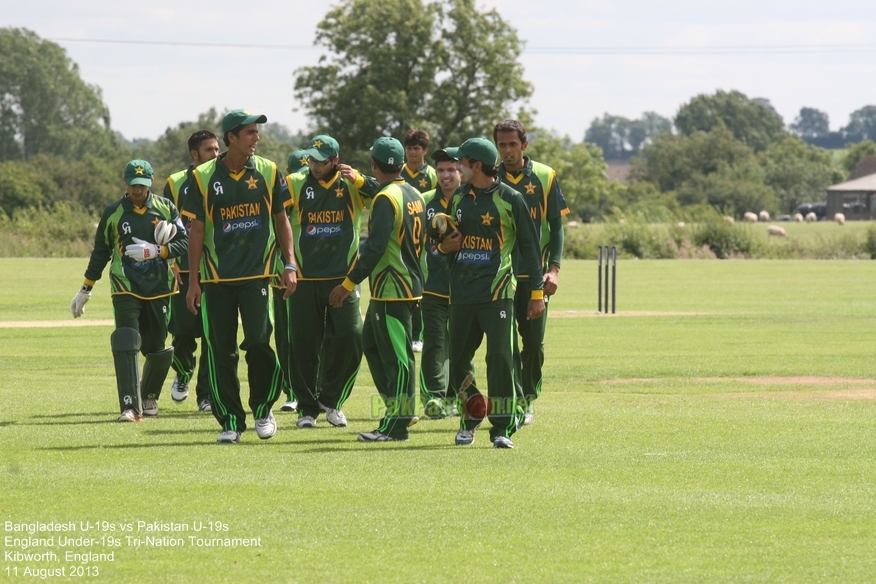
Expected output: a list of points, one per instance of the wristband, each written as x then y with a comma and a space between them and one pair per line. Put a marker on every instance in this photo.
86, 288
292, 267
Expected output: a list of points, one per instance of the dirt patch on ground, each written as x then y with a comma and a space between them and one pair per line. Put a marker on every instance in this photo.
54, 323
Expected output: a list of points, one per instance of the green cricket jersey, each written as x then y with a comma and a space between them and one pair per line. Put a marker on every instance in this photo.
119, 224
423, 179
390, 258
435, 265
175, 190
326, 217
494, 222
540, 188
237, 210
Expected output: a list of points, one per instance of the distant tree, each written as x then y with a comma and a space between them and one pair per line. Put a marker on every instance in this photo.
391, 65
855, 152
671, 160
621, 138
750, 122
45, 107
797, 172
862, 124
811, 124
284, 136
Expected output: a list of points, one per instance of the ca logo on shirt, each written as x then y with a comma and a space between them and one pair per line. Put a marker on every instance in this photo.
126, 228
309, 192
217, 188
459, 215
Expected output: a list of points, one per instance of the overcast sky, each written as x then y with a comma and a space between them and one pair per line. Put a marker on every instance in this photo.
149, 88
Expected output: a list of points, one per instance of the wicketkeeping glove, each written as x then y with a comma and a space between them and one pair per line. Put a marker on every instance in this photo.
164, 232
77, 306
443, 225
142, 250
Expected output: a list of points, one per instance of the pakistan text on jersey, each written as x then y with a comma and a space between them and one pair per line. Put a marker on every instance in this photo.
475, 242
240, 211
330, 216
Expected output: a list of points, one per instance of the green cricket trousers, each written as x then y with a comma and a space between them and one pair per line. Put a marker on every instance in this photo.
220, 305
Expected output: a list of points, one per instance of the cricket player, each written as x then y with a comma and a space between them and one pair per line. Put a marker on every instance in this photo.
435, 305
390, 259
422, 177
296, 162
186, 327
141, 283
326, 212
493, 225
236, 204
538, 185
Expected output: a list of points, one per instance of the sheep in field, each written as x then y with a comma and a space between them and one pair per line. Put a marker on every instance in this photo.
729, 219
764, 216
798, 218
840, 218
811, 217
750, 217
776, 230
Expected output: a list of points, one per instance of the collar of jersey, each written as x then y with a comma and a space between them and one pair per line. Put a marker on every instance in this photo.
224, 170
476, 192
515, 178
147, 204
417, 172
327, 184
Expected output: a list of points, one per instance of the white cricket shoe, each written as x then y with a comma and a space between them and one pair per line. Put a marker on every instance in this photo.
150, 408
266, 427
205, 406
228, 437
289, 406
417, 346
336, 418
465, 437
306, 422
130, 415
502, 442
179, 391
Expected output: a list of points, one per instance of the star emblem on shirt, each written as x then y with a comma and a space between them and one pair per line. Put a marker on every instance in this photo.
253, 183
139, 170
486, 218
156, 221
339, 192
423, 183
530, 189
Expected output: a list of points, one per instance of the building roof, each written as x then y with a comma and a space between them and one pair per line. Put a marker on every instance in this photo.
865, 183
866, 165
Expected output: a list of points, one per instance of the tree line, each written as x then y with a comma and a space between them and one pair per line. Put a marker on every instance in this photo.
449, 68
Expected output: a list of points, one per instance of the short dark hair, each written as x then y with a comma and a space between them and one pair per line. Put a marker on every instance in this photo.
387, 168
200, 136
492, 171
235, 130
442, 157
510, 126
416, 137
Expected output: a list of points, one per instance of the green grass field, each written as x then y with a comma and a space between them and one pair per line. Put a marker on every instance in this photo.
718, 429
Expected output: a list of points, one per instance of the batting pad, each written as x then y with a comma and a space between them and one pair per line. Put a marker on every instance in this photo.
125, 343
155, 372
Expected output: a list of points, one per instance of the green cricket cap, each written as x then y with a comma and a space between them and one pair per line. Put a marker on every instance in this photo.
240, 117
449, 152
479, 149
138, 172
388, 150
296, 161
323, 147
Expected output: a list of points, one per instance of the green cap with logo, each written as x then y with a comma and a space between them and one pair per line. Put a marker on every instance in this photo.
240, 117
388, 150
479, 149
322, 148
296, 161
138, 172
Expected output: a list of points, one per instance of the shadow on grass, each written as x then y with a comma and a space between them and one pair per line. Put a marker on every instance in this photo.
347, 444
74, 415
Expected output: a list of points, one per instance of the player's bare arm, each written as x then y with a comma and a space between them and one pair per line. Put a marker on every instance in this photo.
552, 280
289, 279
452, 243
196, 248
536, 309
